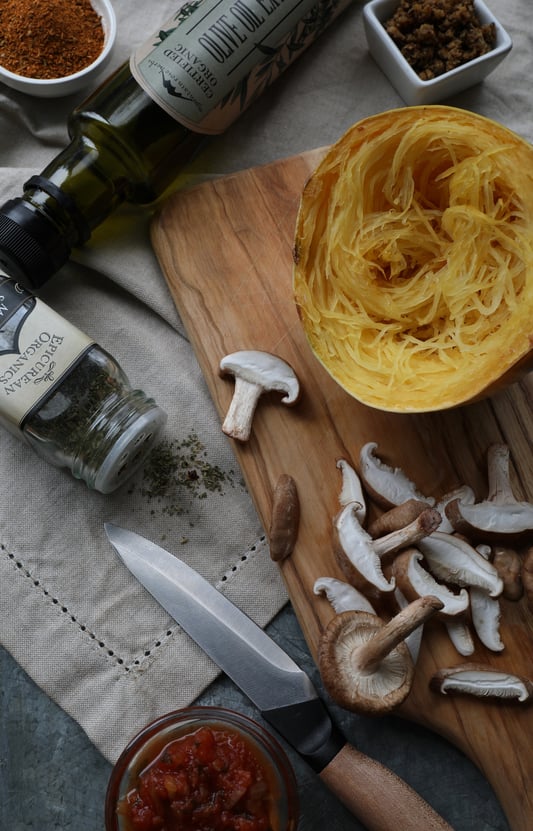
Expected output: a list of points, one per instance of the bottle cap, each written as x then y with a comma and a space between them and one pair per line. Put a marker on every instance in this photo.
31, 248
129, 451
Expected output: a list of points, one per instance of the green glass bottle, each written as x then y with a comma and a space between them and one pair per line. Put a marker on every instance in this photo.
131, 138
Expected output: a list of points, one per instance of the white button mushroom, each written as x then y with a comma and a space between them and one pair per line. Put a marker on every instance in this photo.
255, 373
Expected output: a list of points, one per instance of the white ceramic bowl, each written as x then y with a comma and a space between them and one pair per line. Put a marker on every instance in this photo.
57, 87
403, 77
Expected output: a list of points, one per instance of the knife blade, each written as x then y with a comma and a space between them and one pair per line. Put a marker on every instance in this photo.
283, 693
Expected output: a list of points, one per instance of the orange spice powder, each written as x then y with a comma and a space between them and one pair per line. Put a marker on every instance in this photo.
49, 38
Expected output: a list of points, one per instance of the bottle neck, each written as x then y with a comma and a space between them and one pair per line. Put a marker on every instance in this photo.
57, 212
123, 147
75, 192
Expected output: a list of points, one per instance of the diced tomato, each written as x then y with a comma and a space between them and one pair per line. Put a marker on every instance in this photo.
211, 778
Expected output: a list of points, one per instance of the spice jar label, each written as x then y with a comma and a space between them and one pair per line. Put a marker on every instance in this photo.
38, 348
214, 57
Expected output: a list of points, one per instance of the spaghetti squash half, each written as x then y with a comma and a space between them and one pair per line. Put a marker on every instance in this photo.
413, 273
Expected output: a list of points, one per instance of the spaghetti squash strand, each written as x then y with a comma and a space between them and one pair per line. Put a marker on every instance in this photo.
417, 249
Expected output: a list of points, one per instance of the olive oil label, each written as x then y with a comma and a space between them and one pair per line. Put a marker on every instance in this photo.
215, 57
38, 348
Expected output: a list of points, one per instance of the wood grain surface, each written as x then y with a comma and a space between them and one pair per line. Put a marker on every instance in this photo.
225, 248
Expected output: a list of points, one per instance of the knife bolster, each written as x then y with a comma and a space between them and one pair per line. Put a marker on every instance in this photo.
308, 728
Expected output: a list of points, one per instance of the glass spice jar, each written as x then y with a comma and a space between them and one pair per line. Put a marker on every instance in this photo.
202, 767
67, 397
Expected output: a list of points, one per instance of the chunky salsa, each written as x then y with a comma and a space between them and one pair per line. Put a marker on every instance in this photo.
211, 779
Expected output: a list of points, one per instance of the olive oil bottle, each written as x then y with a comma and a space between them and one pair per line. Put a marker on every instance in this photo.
133, 135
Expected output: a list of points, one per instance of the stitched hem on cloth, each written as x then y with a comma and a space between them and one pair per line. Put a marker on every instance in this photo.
110, 700
37, 584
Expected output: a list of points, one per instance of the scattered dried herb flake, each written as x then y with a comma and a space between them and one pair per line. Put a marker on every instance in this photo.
179, 466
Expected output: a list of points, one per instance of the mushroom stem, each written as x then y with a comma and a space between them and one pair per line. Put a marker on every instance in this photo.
396, 518
422, 526
239, 417
371, 653
413, 641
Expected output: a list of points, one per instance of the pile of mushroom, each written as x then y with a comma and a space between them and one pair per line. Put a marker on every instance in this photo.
452, 559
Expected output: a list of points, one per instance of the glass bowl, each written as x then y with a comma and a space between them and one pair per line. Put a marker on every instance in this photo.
242, 769
403, 77
68, 84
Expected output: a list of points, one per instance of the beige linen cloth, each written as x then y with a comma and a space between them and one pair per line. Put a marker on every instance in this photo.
70, 613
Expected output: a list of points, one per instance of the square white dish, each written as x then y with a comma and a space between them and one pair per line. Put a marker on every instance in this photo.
406, 80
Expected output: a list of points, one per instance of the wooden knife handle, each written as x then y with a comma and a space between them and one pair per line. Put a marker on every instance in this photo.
376, 796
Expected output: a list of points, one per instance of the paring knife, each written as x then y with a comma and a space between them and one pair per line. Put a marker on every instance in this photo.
282, 692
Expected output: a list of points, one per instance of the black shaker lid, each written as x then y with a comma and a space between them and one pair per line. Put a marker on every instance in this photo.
31, 247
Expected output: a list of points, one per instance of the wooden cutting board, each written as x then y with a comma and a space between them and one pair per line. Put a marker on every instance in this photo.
225, 248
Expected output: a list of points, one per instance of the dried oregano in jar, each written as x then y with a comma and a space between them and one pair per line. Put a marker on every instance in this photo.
67, 397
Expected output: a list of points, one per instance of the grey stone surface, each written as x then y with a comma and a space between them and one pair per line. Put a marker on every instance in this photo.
52, 777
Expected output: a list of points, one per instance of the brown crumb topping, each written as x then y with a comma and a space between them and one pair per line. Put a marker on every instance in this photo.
435, 36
